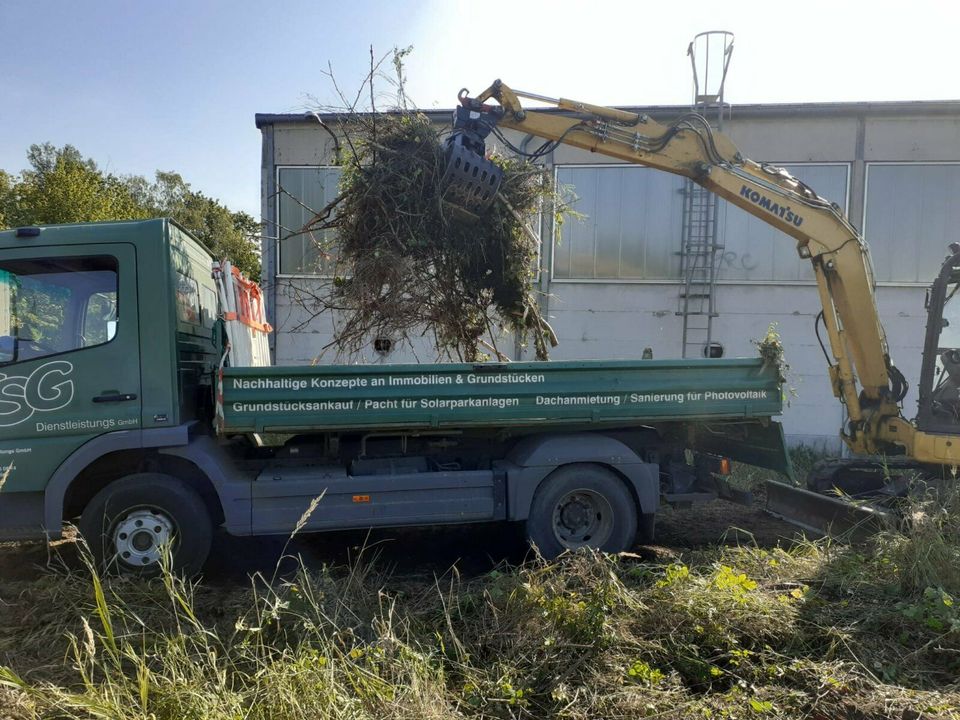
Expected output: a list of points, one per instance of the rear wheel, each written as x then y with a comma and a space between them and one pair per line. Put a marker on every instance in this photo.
134, 521
646, 530
582, 505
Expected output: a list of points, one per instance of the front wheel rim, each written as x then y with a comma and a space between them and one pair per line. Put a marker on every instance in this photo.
583, 518
141, 536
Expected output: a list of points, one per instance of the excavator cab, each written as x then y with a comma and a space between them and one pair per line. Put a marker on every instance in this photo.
939, 410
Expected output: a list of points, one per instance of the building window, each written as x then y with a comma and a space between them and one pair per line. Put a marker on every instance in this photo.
910, 216
632, 227
631, 224
302, 192
754, 251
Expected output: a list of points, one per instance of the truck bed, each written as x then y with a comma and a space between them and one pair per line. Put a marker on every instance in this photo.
514, 395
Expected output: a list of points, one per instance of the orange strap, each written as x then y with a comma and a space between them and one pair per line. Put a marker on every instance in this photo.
249, 301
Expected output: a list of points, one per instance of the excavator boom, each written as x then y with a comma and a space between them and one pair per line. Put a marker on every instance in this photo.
861, 372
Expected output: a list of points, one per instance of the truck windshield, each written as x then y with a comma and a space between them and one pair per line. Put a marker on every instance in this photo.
50, 306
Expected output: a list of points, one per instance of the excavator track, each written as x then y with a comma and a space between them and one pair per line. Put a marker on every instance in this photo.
868, 477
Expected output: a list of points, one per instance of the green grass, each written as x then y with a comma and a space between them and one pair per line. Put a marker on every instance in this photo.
749, 477
814, 630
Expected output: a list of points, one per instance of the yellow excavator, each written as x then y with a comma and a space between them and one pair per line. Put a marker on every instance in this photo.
889, 449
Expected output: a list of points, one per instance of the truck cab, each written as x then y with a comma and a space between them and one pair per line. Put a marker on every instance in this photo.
87, 359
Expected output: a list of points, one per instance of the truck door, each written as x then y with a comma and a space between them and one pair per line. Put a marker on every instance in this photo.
69, 356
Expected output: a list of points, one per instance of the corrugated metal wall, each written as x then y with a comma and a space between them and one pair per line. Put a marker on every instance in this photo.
304, 191
629, 224
912, 214
631, 220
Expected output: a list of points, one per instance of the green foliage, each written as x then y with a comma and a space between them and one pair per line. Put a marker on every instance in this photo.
226, 234
921, 552
804, 458
577, 612
742, 632
737, 584
61, 186
937, 610
770, 348
6, 197
641, 672
411, 261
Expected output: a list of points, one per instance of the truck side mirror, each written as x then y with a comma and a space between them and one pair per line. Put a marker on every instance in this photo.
111, 329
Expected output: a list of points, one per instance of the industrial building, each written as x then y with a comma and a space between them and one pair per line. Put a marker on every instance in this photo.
623, 278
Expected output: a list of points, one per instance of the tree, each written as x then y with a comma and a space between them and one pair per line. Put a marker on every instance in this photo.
6, 197
61, 186
233, 235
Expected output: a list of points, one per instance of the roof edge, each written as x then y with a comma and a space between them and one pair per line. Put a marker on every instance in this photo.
884, 107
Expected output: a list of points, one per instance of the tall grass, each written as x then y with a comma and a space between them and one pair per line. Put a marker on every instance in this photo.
802, 457
813, 630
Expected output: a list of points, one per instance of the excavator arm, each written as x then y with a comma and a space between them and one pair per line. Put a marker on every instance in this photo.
861, 372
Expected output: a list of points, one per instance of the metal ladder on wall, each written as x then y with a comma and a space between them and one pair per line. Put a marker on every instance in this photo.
698, 263
710, 57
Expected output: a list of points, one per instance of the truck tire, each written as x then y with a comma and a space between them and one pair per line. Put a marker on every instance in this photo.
646, 530
582, 505
128, 523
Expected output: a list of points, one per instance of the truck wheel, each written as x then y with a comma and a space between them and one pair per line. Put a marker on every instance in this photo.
128, 524
582, 505
646, 528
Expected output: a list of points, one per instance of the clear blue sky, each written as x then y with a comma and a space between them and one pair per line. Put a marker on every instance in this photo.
174, 85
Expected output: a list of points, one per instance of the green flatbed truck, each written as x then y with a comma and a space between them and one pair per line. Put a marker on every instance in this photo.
116, 413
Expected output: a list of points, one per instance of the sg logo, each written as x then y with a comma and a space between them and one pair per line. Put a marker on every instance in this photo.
47, 388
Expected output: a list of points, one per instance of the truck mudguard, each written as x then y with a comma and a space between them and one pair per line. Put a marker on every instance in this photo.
535, 457
93, 450
232, 487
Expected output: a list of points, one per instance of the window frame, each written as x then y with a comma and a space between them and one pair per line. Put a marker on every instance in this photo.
863, 219
848, 165
196, 307
553, 239
279, 226
81, 311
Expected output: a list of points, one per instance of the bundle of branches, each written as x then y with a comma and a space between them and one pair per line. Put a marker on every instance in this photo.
412, 263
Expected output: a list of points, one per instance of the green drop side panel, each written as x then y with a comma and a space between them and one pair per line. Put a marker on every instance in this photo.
383, 397
756, 443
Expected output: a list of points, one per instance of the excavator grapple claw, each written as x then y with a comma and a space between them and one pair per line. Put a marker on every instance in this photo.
470, 180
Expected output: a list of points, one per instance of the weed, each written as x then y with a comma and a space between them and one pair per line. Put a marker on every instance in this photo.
812, 630
937, 610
